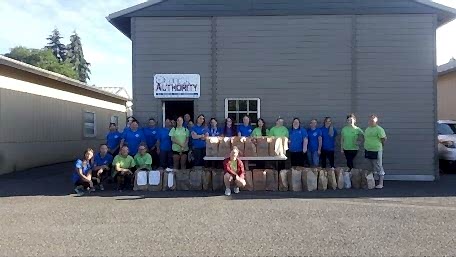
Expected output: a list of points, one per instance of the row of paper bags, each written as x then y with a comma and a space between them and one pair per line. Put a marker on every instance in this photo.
296, 179
249, 147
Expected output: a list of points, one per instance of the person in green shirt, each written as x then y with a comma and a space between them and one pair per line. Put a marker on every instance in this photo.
143, 160
279, 130
180, 136
374, 140
122, 169
261, 130
350, 136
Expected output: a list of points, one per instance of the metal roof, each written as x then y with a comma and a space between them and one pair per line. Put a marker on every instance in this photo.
121, 19
447, 67
55, 76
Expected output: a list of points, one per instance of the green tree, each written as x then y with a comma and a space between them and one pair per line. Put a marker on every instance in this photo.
43, 58
75, 55
58, 49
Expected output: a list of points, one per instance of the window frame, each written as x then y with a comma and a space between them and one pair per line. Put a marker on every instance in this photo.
85, 124
116, 119
248, 99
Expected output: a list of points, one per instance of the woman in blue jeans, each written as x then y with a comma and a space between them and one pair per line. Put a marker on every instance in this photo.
164, 146
315, 142
199, 134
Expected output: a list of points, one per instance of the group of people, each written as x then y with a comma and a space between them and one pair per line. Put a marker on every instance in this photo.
180, 143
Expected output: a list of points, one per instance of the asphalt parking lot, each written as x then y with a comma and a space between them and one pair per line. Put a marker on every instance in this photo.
40, 217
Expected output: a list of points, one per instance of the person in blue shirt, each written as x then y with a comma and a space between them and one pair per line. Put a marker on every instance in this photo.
214, 131
82, 173
245, 129
102, 165
187, 120
229, 130
129, 121
199, 134
164, 146
133, 137
113, 139
151, 135
298, 143
328, 135
314, 146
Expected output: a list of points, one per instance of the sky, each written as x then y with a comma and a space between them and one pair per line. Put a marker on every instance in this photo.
29, 22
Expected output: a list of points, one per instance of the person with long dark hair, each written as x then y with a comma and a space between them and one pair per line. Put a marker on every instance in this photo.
179, 136
199, 135
113, 139
298, 143
261, 130
229, 130
349, 140
214, 130
82, 174
328, 135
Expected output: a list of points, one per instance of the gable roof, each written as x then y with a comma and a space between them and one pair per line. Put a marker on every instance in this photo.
71, 84
447, 67
209, 8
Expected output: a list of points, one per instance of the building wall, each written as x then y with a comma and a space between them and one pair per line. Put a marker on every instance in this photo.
43, 127
319, 66
446, 90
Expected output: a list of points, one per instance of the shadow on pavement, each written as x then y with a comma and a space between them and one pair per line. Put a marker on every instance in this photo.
54, 180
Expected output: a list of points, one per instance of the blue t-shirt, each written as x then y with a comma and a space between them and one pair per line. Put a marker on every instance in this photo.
245, 131
328, 142
133, 140
165, 139
85, 170
113, 139
151, 135
100, 161
313, 136
297, 137
199, 130
215, 132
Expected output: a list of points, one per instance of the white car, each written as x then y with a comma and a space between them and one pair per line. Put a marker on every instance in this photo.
447, 144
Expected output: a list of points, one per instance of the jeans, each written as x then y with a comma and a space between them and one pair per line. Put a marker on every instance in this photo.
199, 154
350, 156
155, 158
313, 157
377, 165
166, 159
325, 154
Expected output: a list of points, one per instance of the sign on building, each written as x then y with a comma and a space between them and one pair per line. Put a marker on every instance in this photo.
177, 86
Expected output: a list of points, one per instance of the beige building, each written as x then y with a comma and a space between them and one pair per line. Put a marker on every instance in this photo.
47, 118
446, 91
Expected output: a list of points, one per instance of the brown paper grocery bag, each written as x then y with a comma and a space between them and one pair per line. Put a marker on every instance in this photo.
272, 180
169, 181
294, 180
332, 182
153, 176
212, 145
259, 180
207, 180
250, 149
340, 177
248, 176
356, 178
182, 180
322, 179
196, 178
283, 180
262, 145
224, 147
239, 142
217, 180
309, 179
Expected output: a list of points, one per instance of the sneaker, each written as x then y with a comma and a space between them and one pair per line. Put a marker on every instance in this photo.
379, 187
91, 189
101, 187
79, 191
236, 190
228, 192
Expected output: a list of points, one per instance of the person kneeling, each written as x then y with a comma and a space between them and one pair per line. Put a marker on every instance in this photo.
234, 171
102, 165
82, 174
122, 169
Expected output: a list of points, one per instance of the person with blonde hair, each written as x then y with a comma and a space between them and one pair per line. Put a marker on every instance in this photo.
328, 136
374, 141
82, 174
234, 171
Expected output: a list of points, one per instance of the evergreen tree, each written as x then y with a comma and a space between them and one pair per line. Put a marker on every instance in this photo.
75, 56
58, 49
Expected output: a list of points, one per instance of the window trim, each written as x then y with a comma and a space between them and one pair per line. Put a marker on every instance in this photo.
117, 118
94, 124
258, 112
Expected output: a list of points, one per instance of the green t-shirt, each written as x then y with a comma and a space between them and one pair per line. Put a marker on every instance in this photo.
180, 135
372, 138
350, 135
234, 166
125, 163
144, 161
257, 132
279, 132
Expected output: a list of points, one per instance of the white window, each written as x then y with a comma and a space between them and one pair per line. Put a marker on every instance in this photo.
115, 119
237, 108
90, 129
